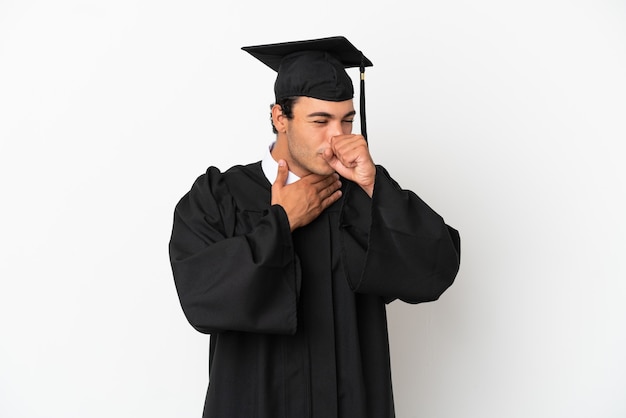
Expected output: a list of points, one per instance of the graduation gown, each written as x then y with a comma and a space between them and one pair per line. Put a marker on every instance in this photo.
297, 320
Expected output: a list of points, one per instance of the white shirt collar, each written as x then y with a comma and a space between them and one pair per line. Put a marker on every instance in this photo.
270, 167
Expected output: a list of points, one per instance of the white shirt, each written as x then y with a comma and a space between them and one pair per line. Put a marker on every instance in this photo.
270, 167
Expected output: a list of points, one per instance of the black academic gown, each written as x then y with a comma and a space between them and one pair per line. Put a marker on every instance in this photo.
297, 320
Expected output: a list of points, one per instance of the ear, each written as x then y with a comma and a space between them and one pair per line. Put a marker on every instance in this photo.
279, 119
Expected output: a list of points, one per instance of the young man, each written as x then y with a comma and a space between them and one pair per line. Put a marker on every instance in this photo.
289, 262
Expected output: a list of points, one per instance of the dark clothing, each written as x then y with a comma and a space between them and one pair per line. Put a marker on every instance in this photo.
297, 320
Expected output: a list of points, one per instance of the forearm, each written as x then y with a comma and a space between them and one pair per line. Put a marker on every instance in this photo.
405, 251
243, 283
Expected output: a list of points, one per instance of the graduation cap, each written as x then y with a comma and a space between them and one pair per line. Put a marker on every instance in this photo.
315, 68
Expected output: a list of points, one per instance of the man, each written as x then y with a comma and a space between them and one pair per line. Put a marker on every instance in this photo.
289, 262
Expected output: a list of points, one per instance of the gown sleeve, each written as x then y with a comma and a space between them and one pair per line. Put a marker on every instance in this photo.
395, 246
230, 280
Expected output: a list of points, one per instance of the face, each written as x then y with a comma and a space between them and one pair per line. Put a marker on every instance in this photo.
308, 134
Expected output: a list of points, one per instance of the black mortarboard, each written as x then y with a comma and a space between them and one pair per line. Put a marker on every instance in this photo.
315, 68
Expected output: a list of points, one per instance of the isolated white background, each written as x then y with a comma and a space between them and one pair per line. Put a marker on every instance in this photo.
508, 118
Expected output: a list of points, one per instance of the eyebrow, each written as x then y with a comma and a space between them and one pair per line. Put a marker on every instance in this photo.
328, 115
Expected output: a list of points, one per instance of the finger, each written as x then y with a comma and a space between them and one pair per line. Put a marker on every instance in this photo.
332, 188
343, 157
351, 152
328, 154
331, 159
343, 142
319, 179
335, 196
327, 182
282, 174
348, 144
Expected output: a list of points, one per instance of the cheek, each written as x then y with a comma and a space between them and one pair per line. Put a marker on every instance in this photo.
301, 144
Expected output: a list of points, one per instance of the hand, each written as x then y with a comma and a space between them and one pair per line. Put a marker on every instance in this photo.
349, 156
305, 199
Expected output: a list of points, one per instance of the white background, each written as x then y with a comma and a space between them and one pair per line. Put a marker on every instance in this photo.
508, 118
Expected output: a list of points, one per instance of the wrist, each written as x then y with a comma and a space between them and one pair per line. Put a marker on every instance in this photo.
368, 189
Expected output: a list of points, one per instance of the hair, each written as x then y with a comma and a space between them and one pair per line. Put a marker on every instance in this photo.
286, 106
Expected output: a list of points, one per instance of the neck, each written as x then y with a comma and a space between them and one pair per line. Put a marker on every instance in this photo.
281, 152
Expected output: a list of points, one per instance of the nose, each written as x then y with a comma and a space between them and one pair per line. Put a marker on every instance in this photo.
334, 129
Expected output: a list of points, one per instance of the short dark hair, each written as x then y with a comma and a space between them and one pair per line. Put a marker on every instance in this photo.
286, 106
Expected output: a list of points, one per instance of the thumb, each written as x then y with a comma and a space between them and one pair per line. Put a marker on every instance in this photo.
330, 157
332, 160
282, 174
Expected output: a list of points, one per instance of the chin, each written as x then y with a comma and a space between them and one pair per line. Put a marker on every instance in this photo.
324, 170
319, 167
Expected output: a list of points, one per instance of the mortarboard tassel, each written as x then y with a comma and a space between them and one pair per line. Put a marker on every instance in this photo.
362, 99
